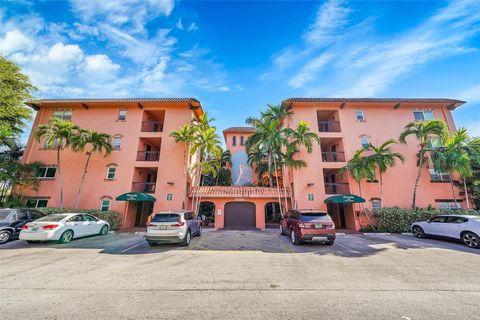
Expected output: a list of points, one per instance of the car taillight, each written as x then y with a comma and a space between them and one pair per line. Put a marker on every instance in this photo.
330, 227
24, 226
50, 226
179, 223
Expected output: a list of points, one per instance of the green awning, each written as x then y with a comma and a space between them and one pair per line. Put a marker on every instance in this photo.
135, 196
344, 198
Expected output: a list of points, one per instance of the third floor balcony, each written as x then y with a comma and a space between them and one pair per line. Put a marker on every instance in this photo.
328, 121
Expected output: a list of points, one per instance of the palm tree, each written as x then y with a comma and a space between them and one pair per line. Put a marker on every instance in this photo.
423, 131
225, 159
97, 142
184, 135
57, 134
452, 157
295, 164
359, 168
383, 157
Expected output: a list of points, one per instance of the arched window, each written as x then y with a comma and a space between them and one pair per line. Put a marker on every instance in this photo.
376, 203
105, 203
234, 140
364, 141
111, 172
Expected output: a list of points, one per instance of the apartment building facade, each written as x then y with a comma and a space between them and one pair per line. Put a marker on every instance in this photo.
146, 171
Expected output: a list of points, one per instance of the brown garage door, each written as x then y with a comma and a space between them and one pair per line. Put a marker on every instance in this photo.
239, 215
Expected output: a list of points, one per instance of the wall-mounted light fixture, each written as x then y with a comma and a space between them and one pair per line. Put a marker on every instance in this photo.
170, 183
310, 184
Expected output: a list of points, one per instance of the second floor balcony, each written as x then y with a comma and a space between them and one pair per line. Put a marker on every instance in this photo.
148, 155
333, 156
152, 126
143, 187
336, 188
239, 192
328, 126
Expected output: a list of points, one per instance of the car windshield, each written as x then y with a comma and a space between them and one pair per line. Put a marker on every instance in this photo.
314, 215
170, 217
4, 214
52, 218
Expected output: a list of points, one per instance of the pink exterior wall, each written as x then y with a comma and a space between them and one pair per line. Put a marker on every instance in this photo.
382, 122
103, 118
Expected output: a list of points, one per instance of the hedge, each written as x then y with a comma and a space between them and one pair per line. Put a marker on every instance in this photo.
400, 219
113, 217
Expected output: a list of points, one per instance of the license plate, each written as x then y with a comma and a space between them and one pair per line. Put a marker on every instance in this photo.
318, 225
163, 227
319, 239
35, 229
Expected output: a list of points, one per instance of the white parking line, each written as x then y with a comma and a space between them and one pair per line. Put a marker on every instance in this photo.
345, 247
132, 247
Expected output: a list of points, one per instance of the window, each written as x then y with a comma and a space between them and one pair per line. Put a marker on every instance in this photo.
76, 218
63, 114
36, 203
234, 140
122, 115
376, 204
434, 143
189, 216
310, 197
117, 142
364, 141
448, 205
56, 144
105, 205
36, 215
360, 115
22, 215
454, 219
111, 172
439, 176
88, 217
440, 219
168, 217
423, 115
46, 172
241, 140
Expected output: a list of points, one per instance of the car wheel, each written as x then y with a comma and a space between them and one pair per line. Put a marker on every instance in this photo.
330, 242
66, 237
294, 238
104, 230
5, 235
418, 232
152, 243
32, 241
199, 233
471, 240
186, 240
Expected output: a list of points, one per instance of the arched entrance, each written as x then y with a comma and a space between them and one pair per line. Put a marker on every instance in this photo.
207, 209
239, 215
272, 213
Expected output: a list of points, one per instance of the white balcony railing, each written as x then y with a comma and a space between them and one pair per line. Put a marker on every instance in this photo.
239, 192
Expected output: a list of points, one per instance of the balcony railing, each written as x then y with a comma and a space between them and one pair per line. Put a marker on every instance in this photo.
336, 188
328, 126
439, 177
333, 156
143, 187
148, 155
239, 192
152, 126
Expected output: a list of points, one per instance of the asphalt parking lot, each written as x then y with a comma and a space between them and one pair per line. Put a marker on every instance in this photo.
240, 275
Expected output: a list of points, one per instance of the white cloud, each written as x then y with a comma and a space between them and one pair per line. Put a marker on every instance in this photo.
100, 63
310, 71
471, 95
64, 54
224, 89
193, 27
179, 24
473, 128
15, 41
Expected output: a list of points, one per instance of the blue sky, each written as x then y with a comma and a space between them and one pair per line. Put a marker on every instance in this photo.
236, 57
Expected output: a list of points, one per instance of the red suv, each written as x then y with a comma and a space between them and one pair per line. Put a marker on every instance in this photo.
308, 225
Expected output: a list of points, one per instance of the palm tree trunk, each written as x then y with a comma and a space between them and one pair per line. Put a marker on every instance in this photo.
363, 203
284, 172
89, 155
381, 188
417, 180
185, 172
60, 180
270, 177
296, 187
453, 190
278, 187
466, 192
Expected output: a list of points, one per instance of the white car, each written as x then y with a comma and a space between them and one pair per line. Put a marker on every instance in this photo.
177, 227
460, 227
63, 227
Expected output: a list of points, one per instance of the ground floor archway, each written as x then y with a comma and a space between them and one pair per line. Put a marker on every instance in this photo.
239, 215
273, 213
207, 212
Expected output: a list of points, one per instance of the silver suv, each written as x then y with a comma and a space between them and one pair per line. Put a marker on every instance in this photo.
177, 227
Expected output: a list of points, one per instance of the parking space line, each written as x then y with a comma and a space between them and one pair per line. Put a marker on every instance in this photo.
133, 247
345, 247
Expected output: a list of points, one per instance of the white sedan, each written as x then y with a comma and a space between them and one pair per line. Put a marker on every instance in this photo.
63, 227
459, 227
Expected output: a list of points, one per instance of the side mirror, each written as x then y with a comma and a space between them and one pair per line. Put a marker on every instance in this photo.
429, 220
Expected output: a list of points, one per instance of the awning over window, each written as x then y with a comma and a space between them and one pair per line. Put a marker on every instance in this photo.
135, 196
344, 198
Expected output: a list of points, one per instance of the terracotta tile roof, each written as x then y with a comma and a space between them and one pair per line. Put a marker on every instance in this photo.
452, 103
42, 101
239, 129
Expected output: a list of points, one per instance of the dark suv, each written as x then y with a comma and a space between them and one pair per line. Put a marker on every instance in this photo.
12, 220
308, 225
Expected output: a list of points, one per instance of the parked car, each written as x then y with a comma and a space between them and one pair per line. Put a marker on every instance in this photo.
176, 227
12, 220
465, 228
308, 225
63, 227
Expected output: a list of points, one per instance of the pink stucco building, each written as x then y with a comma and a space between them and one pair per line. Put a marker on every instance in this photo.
148, 163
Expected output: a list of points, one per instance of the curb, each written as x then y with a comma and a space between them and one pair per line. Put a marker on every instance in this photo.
377, 234
340, 234
407, 234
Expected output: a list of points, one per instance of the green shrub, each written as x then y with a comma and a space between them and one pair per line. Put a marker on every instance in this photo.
400, 219
113, 217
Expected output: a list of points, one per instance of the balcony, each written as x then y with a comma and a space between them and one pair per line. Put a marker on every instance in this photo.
152, 126
148, 155
143, 187
333, 156
336, 188
329, 126
239, 192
